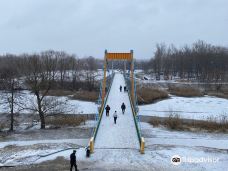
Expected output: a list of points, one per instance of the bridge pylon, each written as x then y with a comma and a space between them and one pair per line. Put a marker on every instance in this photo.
114, 57
130, 83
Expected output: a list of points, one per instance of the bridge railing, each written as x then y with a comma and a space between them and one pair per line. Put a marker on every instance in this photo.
101, 107
135, 109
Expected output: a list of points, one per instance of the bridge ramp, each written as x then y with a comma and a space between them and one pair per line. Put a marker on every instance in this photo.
123, 134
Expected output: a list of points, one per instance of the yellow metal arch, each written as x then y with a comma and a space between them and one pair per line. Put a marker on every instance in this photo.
118, 56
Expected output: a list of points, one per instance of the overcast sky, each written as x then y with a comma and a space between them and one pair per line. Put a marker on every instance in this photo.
88, 27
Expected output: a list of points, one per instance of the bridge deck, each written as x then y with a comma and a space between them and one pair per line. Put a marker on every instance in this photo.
123, 134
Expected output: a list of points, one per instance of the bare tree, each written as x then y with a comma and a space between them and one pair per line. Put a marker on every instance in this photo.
75, 71
40, 82
11, 93
158, 58
91, 68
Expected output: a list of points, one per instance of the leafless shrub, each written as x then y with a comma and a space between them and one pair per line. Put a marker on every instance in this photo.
175, 122
185, 91
155, 122
59, 93
86, 95
65, 120
213, 124
219, 94
148, 95
76, 95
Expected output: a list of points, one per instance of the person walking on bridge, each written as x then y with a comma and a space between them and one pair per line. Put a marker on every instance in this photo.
115, 116
107, 110
73, 161
125, 88
123, 107
120, 88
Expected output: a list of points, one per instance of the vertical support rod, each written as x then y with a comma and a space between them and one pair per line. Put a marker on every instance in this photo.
132, 78
112, 67
124, 67
104, 80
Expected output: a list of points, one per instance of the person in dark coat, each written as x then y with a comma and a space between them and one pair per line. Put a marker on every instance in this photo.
115, 116
107, 110
125, 88
73, 161
120, 88
123, 107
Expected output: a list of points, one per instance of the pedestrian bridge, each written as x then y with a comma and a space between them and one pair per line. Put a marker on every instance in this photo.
125, 134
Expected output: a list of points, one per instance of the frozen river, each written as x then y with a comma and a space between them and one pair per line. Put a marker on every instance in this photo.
200, 108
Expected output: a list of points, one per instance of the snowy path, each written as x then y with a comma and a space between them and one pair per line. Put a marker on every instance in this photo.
123, 134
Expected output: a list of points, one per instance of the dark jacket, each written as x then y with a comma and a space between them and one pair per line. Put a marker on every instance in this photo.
72, 158
123, 106
107, 108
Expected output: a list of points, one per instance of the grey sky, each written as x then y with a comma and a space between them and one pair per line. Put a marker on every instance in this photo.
88, 27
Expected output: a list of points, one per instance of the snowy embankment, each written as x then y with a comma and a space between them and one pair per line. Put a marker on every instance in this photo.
162, 136
161, 145
80, 142
28, 152
199, 108
25, 152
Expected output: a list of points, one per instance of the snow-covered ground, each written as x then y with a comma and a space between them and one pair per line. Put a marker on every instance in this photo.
161, 145
27, 152
22, 150
33, 142
82, 107
200, 108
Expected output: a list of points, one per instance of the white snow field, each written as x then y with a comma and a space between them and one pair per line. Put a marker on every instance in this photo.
123, 134
199, 108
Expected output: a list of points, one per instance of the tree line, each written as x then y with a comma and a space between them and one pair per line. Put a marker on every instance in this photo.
201, 62
62, 69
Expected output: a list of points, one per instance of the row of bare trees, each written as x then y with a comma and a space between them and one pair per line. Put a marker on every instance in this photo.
40, 73
201, 61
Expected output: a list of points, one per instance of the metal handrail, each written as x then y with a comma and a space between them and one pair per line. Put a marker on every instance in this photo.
133, 111
102, 109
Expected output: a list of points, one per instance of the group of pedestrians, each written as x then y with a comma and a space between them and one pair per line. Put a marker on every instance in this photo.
115, 116
125, 88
